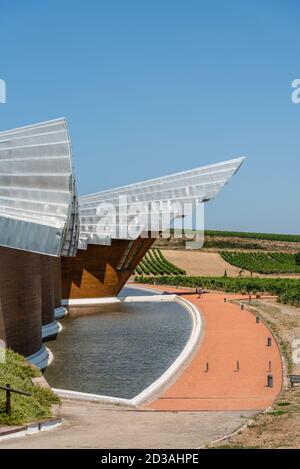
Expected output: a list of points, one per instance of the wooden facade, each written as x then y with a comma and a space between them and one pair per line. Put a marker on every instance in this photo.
47, 286
32, 285
57, 281
102, 271
20, 300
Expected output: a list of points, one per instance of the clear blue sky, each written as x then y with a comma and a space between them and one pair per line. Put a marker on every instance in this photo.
153, 87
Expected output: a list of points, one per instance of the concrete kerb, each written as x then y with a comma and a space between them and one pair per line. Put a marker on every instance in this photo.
30, 429
166, 377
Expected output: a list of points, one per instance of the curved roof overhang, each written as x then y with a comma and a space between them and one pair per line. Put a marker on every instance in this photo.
106, 215
38, 202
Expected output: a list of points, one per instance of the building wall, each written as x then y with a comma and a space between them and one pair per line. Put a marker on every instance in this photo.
102, 271
48, 288
32, 285
57, 282
20, 300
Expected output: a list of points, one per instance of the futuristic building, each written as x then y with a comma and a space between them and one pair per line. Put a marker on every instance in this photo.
54, 245
38, 225
108, 250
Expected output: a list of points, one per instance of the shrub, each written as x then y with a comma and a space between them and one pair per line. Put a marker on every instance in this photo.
18, 373
286, 290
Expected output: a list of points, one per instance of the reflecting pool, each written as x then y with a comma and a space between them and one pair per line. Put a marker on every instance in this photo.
120, 348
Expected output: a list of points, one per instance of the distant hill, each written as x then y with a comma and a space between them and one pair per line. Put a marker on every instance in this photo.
290, 238
218, 239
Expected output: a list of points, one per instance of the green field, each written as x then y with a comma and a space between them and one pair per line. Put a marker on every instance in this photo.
287, 290
263, 263
155, 263
291, 238
249, 235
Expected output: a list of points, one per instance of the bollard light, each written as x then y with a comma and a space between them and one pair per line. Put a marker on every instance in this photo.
270, 381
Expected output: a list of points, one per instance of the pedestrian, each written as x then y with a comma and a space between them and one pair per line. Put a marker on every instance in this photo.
199, 291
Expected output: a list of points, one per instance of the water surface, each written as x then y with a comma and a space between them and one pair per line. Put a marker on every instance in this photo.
119, 350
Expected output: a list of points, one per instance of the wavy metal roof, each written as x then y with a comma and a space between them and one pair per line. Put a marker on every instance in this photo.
38, 202
102, 217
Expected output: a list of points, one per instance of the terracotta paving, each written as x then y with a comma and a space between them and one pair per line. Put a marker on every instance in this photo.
230, 335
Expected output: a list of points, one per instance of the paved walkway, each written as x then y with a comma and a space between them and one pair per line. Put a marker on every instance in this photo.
231, 367
228, 393
92, 425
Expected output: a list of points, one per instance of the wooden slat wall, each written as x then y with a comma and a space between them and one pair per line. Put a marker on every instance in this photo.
94, 274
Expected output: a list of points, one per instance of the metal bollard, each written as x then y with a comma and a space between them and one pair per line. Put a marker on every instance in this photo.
8, 399
270, 381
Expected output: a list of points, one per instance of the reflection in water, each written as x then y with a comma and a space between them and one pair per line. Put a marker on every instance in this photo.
120, 349
131, 291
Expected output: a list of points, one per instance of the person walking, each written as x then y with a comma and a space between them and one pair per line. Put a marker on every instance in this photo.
199, 291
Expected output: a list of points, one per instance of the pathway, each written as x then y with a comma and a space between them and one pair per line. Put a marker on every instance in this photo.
230, 369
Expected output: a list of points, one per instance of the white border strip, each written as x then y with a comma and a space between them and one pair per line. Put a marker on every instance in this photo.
89, 301
109, 299
154, 299
121, 299
165, 378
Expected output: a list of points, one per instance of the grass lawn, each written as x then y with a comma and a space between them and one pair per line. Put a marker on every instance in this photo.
18, 373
